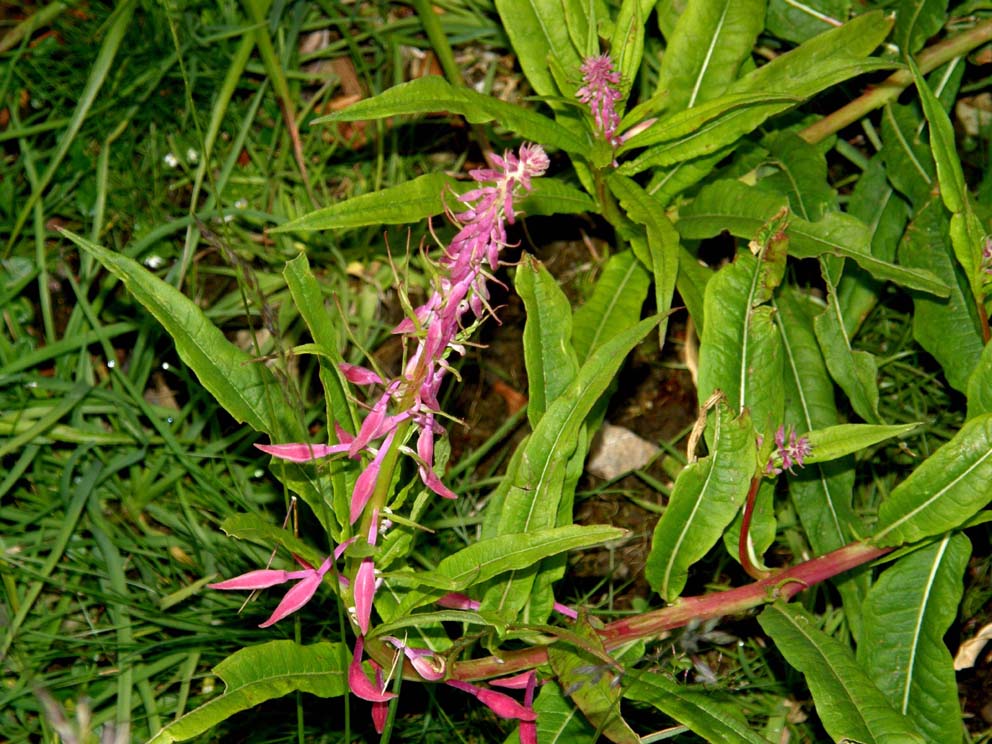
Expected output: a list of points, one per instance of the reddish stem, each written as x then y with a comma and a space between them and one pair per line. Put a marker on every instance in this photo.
742, 552
783, 585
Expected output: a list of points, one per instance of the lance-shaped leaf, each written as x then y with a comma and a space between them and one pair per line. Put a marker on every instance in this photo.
797, 75
705, 51
532, 502
707, 495
821, 493
485, 559
432, 93
614, 306
591, 684
259, 673
742, 210
980, 385
245, 388
834, 442
907, 612
877, 205
799, 21
559, 721
740, 349
947, 328
540, 36
917, 21
849, 704
966, 229
627, 43
701, 712
410, 201
660, 251
950, 486
548, 353
908, 161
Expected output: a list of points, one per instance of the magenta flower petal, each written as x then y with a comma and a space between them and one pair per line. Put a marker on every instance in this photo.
565, 610
516, 682
358, 681
261, 579
499, 703
301, 452
359, 375
380, 710
458, 601
295, 598
364, 592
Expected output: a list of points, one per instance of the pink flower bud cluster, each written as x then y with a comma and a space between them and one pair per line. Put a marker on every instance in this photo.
601, 91
788, 454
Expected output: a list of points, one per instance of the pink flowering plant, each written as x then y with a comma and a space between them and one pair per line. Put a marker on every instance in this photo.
787, 404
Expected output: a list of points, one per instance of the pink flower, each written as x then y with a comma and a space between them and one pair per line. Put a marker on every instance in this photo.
499, 703
601, 90
788, 455
365, 586
309, 579
358, 681
428, 665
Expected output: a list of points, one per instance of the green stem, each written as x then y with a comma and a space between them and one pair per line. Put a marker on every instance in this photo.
892, 86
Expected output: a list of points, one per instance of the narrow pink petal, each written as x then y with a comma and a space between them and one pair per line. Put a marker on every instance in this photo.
565, 610
364, 592
528, 732
458, 601
295, 598
261, 579
516, 682
366, 481
339, 550
359, 375
301, 452
502, 705
431, 480
380, 711
359, 683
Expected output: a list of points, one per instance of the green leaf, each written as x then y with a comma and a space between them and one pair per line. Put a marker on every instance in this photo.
850, 706
539, 33
856, 372
707, 47
877, 205
627, 43
240, 383
548, 353
590, 685
558, 720
532, 502
824, 61
908, 161
948, 329
485, 559
949, 174
740, 350
945, 490
667, 184
432, 93
906, 615
259, 673
715, 721
742, 210
821, 492
802, 175
614, 306
254, 528
550, 196
707, 495
662, 245
980, 385
799, 21
917, 21
845, 439
410, 201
